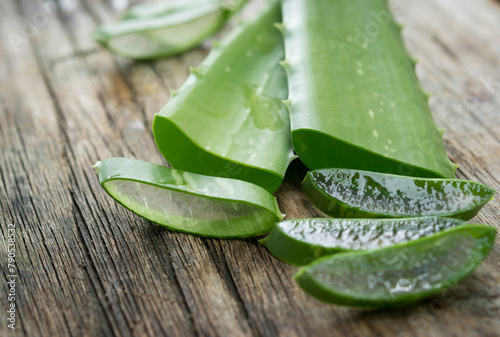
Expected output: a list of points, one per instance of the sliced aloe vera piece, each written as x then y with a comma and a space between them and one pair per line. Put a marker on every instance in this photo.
187, 202
150, 31
400, 274
347, 193
163, 8
227, 119
303, 240
355, 101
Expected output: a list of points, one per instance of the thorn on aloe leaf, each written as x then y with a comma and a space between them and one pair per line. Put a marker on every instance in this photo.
97, 166
281, 27
196, 72
285, 64
288, 103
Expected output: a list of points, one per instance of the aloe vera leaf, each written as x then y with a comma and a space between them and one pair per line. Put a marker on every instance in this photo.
355, 101
361, 194
400, 274
151, 31
228, 119
301, 241
189, 203
162, 8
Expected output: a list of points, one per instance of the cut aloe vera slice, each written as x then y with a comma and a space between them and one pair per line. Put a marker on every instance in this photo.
346, 193
355, 101
228, 119
400, 274
150, 31
303, 240
163, 8
187, 202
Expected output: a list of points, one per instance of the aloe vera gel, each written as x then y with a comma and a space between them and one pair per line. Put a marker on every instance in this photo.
187, 202
354, 194
160, 29
400, 274
301, 241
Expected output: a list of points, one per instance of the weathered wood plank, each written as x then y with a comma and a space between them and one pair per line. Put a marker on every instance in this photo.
49, 253
87, 267
92, 132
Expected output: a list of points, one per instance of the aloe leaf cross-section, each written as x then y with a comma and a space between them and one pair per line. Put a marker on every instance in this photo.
344, 193
301, 241
160, 29
355, 100
163, 8
399, 274
227, 119
187, 202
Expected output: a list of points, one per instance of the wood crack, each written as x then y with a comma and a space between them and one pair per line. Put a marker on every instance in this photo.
219, 259
179, 286
94, 274
448, 51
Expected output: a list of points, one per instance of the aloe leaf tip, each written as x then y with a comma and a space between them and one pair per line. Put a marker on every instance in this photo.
100, 36
97, 166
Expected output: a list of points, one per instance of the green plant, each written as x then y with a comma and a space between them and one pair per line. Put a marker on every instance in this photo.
400, 274
227, 119
301, 241
355, 101
361, 194
155, 30
187, 202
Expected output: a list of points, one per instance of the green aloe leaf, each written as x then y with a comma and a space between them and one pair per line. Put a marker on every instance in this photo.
303, 240
228, 120
400, 274
361, 194
156, 30
163, 8
355, 101
187, 202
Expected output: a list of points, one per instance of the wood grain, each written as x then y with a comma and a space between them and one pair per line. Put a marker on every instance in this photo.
88, 267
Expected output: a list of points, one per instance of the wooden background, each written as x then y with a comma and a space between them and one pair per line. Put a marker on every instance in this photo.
87, 267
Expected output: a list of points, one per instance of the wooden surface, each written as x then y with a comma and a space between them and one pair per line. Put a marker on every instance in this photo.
87, 267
